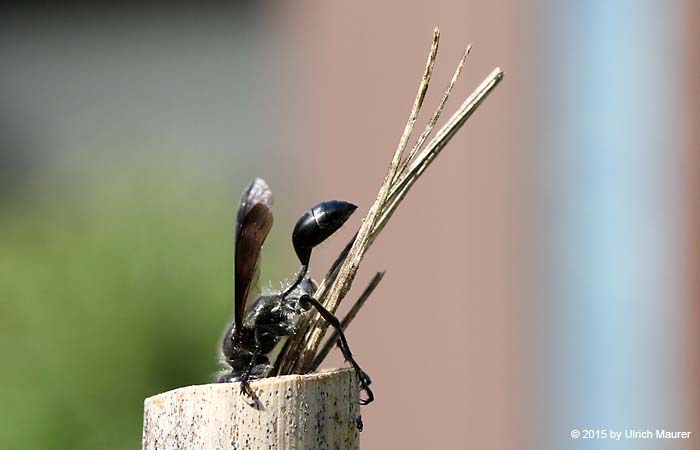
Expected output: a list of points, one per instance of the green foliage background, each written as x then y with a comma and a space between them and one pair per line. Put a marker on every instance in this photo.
112, 289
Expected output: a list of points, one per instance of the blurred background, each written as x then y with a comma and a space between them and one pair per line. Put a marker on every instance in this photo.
541, 277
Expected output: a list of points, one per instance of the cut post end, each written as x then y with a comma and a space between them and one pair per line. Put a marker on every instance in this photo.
318, 410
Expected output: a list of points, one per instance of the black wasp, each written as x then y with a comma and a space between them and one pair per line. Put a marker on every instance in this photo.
254, 335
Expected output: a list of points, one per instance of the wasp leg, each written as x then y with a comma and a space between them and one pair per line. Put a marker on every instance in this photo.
245, 386
307, 301
255, 367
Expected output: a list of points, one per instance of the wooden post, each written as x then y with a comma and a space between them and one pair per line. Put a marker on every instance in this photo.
314, 411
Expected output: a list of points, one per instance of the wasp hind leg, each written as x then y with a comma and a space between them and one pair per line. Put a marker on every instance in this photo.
307, 301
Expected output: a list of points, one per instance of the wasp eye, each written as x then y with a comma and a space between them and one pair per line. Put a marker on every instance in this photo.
317, 224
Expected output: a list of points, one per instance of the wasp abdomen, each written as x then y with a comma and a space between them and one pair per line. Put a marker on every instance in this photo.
317, 224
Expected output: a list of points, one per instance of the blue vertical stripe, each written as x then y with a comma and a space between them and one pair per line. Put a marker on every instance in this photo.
613, 225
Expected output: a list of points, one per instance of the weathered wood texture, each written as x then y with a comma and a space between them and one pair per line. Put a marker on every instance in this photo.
315, 411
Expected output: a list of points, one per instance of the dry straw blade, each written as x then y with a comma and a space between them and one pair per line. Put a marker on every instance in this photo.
301, 354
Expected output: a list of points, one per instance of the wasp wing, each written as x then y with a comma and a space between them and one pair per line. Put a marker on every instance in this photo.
257, 192
252, 226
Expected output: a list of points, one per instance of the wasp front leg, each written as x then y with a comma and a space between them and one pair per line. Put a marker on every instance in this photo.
265, 337
254, 363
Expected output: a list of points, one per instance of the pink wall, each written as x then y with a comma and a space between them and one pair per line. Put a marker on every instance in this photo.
442, 336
